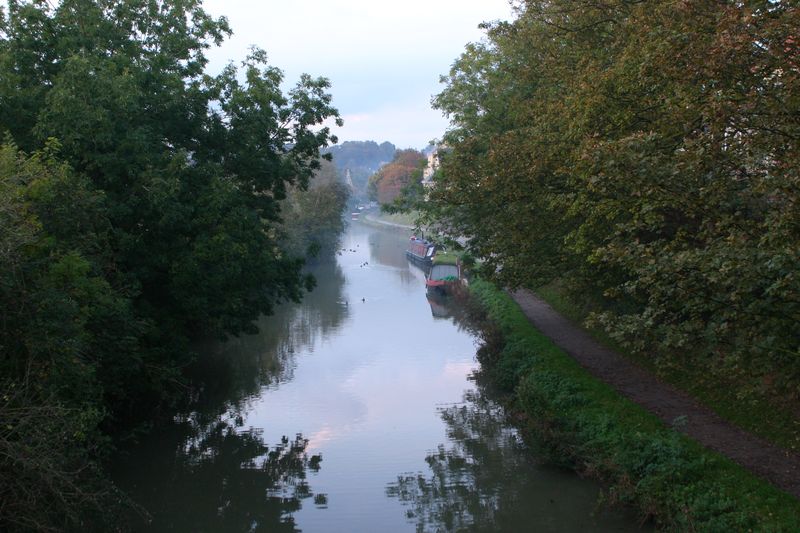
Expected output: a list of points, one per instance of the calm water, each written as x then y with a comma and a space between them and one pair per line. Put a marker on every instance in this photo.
353, 411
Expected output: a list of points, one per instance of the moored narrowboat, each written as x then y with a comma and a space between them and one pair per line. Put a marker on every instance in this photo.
420, 251
445, 272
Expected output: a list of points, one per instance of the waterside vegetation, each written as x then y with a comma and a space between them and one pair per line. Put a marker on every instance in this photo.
585, 424
142, 204
643, 158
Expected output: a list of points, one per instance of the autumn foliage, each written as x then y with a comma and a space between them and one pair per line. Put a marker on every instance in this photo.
645, 156
386, 184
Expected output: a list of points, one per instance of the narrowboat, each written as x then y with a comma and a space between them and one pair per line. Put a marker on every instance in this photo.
445, 272
420, 251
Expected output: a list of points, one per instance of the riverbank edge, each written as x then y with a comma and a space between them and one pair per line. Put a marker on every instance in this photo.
372, 220
577, 418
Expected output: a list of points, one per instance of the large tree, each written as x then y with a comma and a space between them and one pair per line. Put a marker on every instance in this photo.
147, 211
405, 169
192, 166
646, 154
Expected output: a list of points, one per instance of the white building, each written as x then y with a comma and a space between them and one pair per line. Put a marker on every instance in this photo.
430, 168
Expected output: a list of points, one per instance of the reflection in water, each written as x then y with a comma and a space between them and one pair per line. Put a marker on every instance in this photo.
343, 368
229, 373
467, 486
204, 471
484, 479
388, 248
440, 306
222, 478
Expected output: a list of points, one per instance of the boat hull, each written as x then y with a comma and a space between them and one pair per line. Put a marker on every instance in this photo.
420, 251
420, 260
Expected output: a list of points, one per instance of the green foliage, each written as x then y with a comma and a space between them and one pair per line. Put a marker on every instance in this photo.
193, 167
646, 153
59, 322
154, 216
190, 169
312, 218
669, 477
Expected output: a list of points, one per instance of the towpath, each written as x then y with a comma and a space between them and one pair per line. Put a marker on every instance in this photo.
774, 464
374, 219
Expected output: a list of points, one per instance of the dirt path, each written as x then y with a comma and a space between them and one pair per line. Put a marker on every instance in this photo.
776, 465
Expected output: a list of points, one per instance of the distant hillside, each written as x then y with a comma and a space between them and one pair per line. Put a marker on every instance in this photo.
363, 158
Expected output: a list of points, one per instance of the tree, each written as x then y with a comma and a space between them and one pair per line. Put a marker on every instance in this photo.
386, 184
192, 167
362, 159
312, 218
154, 217
645, 155
56, 360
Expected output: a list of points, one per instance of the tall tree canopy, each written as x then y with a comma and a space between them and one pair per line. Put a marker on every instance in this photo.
192, 167
140, 206
646, 154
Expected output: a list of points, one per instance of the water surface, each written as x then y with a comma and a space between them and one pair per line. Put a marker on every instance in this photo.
353, 411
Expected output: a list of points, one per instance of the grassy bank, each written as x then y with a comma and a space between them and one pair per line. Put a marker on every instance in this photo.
378, 218
669, 477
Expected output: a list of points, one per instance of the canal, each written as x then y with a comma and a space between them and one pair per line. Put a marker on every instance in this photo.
352, 411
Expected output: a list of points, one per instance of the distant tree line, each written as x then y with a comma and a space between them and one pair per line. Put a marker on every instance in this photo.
646, 156
140, 205
312, 216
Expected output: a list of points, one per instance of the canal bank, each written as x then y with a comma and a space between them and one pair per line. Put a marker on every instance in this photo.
668, 476
376, 218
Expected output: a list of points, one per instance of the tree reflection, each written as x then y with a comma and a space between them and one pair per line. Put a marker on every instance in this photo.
224, 478
202, 471
387, 247
485, 479
229, 373
474, 480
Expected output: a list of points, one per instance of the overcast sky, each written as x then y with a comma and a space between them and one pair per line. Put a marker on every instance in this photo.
384, 59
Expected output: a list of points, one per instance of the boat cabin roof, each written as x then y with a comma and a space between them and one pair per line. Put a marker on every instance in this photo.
420, 240
443, 258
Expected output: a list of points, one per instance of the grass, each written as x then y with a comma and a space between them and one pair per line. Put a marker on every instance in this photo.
735, 402
669, 477
405, 219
